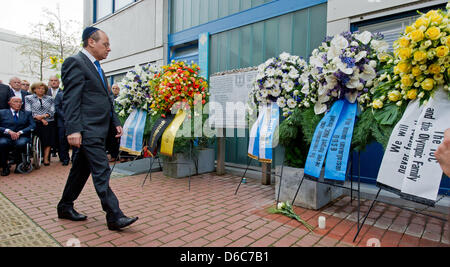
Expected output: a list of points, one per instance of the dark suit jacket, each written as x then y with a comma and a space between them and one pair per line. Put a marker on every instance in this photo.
59, 112
88, 105
49, 91
25, 123
4, 96
24, 94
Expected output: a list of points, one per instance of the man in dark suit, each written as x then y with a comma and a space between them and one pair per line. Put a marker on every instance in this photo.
16, 90
15, 129
4, 96
53, 86
63, 145
53, 90
88, 113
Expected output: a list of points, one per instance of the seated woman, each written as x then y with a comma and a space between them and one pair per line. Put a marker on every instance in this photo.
42, 107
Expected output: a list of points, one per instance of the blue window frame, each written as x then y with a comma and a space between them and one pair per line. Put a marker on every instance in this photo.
374, 152
185, 53
104, 8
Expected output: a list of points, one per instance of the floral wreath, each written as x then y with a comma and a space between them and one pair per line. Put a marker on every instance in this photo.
279, 80
344, 66
136, 90
421, 64
179, 83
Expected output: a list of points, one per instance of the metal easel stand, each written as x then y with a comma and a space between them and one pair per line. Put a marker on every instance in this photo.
176, 163
119, 157
349, 173
402, 207
272, 173
150, 170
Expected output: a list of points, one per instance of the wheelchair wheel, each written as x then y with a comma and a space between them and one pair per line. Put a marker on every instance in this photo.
36, 149
25, 167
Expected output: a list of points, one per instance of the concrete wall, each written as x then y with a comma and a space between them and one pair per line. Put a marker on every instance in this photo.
342, 13
12, 63
137, 33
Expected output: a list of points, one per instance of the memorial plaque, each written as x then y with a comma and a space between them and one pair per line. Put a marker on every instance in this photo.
229, 96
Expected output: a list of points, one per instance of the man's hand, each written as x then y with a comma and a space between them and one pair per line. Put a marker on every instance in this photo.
14, 135
44, 122
443, 153
119, 131
75, 139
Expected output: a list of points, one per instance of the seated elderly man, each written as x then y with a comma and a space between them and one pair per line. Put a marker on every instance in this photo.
15, 129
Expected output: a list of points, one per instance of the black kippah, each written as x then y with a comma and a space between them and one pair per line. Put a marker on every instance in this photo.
88, 32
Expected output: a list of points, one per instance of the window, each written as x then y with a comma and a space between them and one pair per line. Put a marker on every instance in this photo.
185, 53
392, 26
390, 29
103, 8
118, 78
122, 3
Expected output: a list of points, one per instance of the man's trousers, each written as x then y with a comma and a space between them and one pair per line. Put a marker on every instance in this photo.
91, 159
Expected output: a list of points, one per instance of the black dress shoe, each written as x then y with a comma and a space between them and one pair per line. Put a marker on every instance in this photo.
121, 223
65, 163
5, 172
71, 214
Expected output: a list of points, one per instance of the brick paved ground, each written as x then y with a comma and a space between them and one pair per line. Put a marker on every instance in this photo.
209, 215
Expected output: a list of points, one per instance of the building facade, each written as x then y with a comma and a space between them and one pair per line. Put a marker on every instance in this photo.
242, 33
137, 31
13, 63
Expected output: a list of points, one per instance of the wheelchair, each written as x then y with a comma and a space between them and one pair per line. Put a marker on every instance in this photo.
31, 159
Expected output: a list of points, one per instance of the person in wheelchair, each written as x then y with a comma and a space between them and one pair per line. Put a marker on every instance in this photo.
16, 126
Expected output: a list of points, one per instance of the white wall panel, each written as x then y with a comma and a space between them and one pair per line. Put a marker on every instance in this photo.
13, 63
134, 32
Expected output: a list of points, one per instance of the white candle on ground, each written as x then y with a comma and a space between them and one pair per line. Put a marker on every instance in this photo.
322, 222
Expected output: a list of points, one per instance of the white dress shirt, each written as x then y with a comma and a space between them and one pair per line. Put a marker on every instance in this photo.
54, 92
13, 111
17, 93
91, 57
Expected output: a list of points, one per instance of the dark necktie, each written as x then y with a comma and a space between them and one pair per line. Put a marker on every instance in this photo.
16, 118
99, 70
